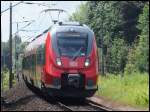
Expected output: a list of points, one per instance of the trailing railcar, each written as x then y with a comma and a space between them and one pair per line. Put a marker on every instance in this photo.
63, 61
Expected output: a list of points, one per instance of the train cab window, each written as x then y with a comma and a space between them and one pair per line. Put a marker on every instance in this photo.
72, 45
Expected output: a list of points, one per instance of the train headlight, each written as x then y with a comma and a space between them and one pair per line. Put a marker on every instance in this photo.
58, 61
87, 62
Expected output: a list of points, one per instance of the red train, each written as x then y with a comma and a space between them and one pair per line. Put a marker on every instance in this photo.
63, 61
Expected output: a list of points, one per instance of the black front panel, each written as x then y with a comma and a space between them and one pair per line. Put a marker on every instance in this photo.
72, 81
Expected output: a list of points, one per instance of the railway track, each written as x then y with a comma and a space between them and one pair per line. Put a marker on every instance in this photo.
64, 104
70, 104
24, 99
98, 105
85, 105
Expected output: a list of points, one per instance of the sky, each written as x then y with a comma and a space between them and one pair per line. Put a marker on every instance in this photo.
26, 12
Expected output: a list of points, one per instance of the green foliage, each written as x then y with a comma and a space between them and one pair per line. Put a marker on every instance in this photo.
19, 45
131, 89
5, 80
138, 57
130, 11
130, 66
5, 54
123, 28
114, 20
81, 14
118, 55
5, 69
103, 18
144, 20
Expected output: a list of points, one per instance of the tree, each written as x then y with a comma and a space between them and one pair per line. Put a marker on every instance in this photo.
118, 56
81, 14
130, 11
114, 23
5, 54
140, 52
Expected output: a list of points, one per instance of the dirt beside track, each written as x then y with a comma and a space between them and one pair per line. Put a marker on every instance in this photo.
20, 98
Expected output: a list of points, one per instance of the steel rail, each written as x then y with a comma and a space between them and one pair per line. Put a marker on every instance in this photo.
68, 108
65, 106
96, 105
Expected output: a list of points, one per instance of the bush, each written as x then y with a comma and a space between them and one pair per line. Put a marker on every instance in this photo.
131, 89
118, 56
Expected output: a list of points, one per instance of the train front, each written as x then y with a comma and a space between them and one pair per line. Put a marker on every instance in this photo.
72, 62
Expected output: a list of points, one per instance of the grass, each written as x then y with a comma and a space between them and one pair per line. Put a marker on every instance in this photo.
131, 89
5, 82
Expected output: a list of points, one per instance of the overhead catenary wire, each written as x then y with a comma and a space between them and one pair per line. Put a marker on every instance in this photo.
60, 10
42, 4
39, 14
21, 29
46, 10
12, 7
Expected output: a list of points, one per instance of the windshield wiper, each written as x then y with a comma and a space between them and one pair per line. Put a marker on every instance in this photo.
76, 54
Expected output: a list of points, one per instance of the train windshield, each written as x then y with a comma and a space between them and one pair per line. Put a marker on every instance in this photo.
72, 45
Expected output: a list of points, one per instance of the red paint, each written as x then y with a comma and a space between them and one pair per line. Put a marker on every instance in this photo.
53, 70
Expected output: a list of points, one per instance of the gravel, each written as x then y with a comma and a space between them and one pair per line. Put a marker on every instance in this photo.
79, 105
20, 98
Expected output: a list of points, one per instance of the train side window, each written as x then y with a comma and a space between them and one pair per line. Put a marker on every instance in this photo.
40, 55
33, 60
27, 60
25, 63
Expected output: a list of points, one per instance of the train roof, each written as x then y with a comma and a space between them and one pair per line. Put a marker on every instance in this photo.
75, 25
58, 27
